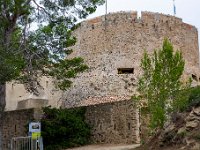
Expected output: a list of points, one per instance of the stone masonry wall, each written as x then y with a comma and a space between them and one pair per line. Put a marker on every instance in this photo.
15, 124
119, 42
116, 123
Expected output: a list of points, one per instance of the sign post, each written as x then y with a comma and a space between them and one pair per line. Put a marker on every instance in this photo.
35, 130
35, 133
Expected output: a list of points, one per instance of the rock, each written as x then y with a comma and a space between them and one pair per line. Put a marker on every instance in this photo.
196, 146
193, 119
183, 148
181, 130
193, 115
196, 111
161, 143
190, 141
169, 128
192, 124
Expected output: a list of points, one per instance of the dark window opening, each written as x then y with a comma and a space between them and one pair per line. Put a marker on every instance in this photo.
47, 84
114, 126
194, 77
129, 126
125, 70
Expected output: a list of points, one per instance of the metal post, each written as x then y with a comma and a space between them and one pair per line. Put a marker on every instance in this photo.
174, 7
106, 7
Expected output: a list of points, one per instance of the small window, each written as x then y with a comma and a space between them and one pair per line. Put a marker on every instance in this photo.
194, 77
114, 126
125, 70
47, 84
129, 126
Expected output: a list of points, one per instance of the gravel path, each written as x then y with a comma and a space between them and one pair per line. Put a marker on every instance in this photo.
107, 147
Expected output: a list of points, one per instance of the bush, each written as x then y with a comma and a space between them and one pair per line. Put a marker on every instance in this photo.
63, 128
194, 98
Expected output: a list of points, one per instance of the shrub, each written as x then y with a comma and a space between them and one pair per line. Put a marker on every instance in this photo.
194, 98
63, 128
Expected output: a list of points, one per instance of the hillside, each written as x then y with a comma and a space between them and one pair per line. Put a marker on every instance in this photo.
182, 131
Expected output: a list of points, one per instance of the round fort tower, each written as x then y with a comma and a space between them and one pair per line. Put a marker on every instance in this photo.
113, 45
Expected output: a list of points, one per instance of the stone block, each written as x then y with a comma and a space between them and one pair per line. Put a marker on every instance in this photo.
32, 103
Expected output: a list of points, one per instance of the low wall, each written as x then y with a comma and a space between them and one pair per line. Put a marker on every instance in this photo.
116, 122
15, 124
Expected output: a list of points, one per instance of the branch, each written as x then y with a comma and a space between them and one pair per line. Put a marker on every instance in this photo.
41, 7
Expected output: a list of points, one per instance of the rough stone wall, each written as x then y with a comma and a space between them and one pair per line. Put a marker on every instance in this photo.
116, 123
15, 124
119, 42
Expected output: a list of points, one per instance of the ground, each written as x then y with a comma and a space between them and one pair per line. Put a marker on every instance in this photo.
107, 147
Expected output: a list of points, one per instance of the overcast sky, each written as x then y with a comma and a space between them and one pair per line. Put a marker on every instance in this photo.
188, 10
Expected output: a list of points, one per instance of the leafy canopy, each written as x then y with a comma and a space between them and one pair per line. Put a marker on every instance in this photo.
160, 83
35, 36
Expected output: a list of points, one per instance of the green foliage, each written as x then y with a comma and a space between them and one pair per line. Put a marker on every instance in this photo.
63, 128
180, 100
25, 55
183, 134
160, 83
194, 98
197, 137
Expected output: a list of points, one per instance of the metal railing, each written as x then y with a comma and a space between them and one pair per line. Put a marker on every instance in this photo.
26, 143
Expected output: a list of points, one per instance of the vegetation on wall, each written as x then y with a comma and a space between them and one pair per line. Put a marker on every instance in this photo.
160, 83
63, 128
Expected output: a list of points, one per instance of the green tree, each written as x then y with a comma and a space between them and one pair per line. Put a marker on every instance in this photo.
27, 54
161, 83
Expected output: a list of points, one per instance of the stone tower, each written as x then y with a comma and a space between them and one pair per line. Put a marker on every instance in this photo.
113, 45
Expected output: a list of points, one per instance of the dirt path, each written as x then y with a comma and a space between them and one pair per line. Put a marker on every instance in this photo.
106, 147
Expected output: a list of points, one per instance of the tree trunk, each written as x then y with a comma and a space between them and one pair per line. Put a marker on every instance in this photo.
2, 107
2, 98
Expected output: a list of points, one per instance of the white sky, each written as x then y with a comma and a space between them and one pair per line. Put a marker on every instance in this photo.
188, 10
